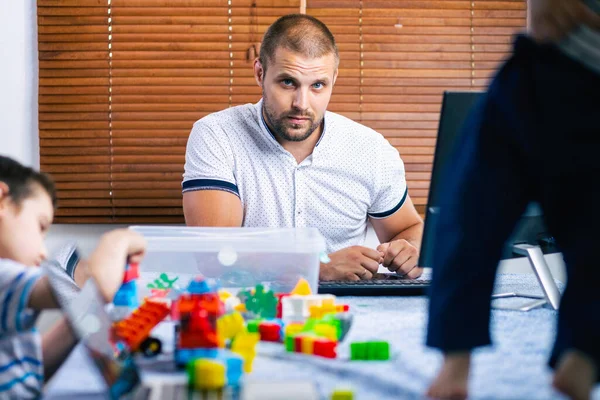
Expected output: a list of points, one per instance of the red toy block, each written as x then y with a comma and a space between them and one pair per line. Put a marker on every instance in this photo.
298, 344
132, 272
324, 348
198, 315
269, 332
279, 310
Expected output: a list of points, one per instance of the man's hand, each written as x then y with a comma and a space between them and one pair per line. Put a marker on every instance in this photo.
351, 264
401, 257
552, 20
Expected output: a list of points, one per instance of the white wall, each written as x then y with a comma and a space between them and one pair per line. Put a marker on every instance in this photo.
18, 81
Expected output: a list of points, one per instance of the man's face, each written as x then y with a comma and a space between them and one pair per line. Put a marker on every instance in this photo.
296, 92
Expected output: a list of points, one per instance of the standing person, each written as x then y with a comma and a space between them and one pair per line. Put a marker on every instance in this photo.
534, 135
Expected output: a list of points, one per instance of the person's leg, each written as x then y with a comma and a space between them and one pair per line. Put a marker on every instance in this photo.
570, 196
486, 189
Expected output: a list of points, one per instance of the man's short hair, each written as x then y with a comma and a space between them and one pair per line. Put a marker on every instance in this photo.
299, 33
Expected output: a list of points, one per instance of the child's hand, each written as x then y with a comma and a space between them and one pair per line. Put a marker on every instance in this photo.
552, 20
107, 263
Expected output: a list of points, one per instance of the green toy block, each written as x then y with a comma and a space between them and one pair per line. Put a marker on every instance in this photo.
289, 343
252, 325
358, 351
378, 351
191, 372
342, 394
373, 351
261, 303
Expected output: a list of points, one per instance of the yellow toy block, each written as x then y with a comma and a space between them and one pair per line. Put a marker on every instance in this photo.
293, 329
248, 360
328, 302
308, 344
208, 374
230, 325
326, 331
341, 394
244, 344
224, 295
318, 312
302, 288
240, 308
245, 341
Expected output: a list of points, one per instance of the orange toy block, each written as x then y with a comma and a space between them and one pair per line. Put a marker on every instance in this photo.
136, 328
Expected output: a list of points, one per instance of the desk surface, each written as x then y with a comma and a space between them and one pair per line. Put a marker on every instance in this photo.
514, 368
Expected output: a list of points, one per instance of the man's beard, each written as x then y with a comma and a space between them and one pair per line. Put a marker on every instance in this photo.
279, 125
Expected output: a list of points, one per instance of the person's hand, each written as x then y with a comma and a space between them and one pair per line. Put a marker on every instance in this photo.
114, 251
351, 264
552, 20
401, 257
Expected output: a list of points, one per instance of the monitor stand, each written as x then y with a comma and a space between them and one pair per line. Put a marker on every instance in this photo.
544, 276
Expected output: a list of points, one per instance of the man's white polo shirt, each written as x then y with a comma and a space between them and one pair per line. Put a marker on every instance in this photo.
353, 173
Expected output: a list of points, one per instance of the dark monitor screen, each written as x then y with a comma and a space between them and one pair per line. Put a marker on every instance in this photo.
456, 106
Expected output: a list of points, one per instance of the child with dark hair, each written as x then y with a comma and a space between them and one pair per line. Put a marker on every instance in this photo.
27, 203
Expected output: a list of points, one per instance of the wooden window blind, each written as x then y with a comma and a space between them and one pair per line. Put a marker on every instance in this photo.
122, 81
398, 57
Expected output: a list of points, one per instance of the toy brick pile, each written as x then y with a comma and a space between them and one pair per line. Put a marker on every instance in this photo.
216, 332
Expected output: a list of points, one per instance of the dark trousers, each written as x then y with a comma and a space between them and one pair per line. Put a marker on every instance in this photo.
535, 135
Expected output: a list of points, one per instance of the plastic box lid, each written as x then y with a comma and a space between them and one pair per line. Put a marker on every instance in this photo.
233, 257
199, 239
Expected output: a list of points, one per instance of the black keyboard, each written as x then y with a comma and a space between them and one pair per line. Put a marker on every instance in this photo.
376, 287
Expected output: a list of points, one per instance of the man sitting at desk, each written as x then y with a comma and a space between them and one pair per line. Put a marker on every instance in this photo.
287, 162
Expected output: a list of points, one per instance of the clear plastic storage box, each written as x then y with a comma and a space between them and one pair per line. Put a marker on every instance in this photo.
232, 257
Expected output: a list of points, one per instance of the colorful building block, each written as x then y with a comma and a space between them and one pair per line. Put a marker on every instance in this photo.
342, 394
261, 303
252, 325
198, 286
244, 344
235, 369
132, 272
163, 282
206, 374
127, 295
373, 351
307, 344
302, 288
289, 343
136, 328
297, 308
197, 314
270, 331
279, 309
325, 348
184, 356
230, 325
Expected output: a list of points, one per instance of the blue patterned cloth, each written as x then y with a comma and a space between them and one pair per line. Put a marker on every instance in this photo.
514, 368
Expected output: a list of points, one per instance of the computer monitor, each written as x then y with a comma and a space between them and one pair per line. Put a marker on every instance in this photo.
530, 228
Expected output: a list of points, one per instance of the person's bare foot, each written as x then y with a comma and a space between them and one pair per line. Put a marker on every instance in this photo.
575, 375
451, 381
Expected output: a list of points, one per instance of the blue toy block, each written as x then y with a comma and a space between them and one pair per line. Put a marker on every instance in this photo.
235, 365
198, 287
127, 295
183, 356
